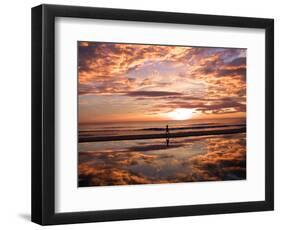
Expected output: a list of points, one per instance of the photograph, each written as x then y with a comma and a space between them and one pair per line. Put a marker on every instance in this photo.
154, 114
142, 113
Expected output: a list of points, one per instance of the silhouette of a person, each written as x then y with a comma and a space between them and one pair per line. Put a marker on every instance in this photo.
167, 135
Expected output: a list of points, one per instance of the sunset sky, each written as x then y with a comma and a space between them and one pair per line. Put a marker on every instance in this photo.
133, 82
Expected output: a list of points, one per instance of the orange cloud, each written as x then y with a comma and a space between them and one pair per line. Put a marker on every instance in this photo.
216, 77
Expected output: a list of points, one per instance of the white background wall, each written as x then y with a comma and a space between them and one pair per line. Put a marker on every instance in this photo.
15, 114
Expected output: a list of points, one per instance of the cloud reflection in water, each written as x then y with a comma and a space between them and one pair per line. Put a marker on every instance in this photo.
212, 158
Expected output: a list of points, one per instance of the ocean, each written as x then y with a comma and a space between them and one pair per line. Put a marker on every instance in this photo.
156, 127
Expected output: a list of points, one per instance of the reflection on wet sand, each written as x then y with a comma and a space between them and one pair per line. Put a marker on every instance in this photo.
211, 158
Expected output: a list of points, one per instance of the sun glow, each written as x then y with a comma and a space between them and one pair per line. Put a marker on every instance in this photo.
180, 114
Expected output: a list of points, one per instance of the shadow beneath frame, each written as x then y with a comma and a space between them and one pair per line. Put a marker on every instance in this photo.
25, 216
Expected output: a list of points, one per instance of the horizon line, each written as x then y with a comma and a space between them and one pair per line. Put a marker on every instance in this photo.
131, 121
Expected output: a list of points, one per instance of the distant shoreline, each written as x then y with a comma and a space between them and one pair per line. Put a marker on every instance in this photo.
175, 128
162, 135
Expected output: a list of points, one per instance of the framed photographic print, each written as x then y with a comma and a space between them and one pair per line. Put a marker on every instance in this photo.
142, 114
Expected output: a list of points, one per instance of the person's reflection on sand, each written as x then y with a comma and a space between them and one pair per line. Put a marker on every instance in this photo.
167, 136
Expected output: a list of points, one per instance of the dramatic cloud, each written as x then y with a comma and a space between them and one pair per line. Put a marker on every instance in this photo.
241, 61
159, 78
152, 93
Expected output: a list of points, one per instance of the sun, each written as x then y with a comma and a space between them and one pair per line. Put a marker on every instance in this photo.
180, 114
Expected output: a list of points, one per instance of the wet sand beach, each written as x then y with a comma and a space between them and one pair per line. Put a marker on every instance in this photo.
150, 161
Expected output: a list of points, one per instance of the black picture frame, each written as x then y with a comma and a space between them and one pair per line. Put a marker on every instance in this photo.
43, 114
